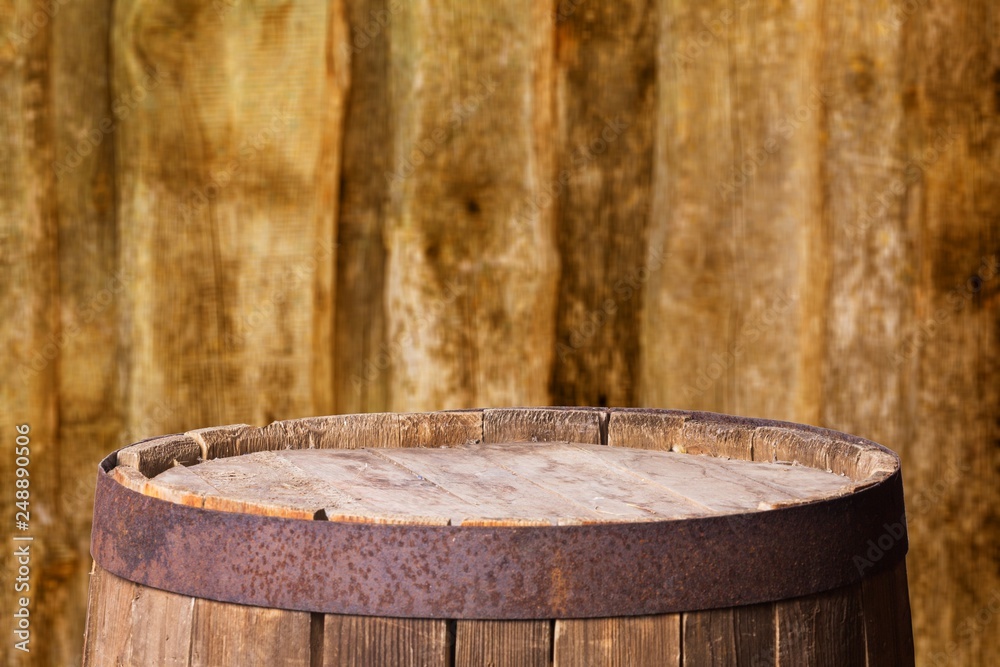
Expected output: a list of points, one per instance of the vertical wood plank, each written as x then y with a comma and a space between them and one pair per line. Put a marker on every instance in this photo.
109, 619
231, 239
89, 294
888, 629
361, 350
822, 630
756, 640
601, 190
360, 641
29, 329
231, 634
471, 286
951, 83
709, 638
635, 641
871, 269
503, 643
736, 182
161, 628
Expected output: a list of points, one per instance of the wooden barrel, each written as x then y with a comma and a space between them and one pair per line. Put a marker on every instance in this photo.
530, 536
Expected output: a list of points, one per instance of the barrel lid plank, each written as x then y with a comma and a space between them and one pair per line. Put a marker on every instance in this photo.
522, 483
581, 474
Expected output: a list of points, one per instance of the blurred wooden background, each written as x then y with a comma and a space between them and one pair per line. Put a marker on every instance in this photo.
217, 211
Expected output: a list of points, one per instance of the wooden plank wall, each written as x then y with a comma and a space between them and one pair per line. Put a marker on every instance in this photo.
245, 210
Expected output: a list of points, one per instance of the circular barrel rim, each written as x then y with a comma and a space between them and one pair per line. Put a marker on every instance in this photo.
507, 572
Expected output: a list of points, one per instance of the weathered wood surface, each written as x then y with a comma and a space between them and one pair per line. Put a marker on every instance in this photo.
30, 338
951, 78
471, 279
230, 634
826, 629
362, 356
135, 626
887, 617
605, 89
160, 627
248, 103
109, 619
737, 182
91, 287
708, 639
554, 483
359, 641
503, 643
155, 455
847, 275
638, 641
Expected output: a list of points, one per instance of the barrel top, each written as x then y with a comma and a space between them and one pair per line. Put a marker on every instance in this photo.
539, 483
499, 513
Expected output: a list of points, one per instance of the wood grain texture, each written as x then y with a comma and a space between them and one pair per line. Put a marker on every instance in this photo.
950, 77
31, 338
193, 492
687, 433
822, 630
89, 295
709, 638
544, 424
636, 641
864, 212
537, 483
248, 102
470, 287
645, 429
134, 480
813, 450
888, 628
503, 643
135, 626
586, 477
344, 432
361, 353
755, 638
360, 641
868, 223
158, 454
736, 181
605, 87
726, 485
161, 625
109, 619
230, 634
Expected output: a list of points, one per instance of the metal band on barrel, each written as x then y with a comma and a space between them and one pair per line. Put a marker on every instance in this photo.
476, 572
